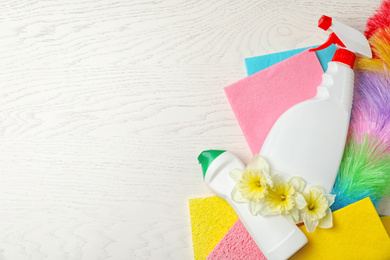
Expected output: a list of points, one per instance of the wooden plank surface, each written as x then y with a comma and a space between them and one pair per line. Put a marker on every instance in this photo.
105, 105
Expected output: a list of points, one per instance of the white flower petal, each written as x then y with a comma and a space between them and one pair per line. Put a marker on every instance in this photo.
294, 215
254, 207
236, 195
265, 211
298, 183
330, 198
300, 201
276, 179
311, 224
327, 221
290, 218
318, 188
258, 162
236, 174
269, 181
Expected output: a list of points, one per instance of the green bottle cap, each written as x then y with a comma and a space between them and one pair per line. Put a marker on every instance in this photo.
205, 158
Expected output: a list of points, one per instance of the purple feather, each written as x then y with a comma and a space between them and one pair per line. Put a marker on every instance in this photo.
371, 108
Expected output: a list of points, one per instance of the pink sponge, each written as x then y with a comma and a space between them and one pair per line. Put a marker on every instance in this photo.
236, 244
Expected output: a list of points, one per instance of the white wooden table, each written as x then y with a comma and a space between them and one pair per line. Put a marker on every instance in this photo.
105, 106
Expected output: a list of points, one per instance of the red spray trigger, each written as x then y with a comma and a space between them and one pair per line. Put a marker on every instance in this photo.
332, 39
325, 22
349, 39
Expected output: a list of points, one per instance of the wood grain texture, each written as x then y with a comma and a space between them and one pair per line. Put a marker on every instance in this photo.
105, 105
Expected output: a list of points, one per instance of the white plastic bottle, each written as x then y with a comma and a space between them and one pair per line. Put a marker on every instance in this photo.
308, 139
276, 237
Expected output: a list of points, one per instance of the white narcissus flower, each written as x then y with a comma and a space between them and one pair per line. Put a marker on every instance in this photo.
285, 198
266, 195
252, 184
317, 211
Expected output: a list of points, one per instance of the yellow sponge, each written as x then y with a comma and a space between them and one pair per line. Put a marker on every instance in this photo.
357, 233
211, 219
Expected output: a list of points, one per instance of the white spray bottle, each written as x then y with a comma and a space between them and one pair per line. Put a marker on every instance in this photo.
276, 236
308, 139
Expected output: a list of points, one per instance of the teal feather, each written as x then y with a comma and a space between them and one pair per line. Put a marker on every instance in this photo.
364, 172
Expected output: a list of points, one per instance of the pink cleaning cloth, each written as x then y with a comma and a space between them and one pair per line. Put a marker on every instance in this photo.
236, 244
260, 99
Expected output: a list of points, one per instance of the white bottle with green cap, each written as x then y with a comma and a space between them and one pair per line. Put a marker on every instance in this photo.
276, 236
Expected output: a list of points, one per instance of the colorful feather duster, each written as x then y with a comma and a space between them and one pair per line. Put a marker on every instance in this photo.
365, 167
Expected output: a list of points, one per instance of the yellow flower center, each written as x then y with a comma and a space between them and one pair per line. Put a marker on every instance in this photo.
280, 198
253, 185
317, 204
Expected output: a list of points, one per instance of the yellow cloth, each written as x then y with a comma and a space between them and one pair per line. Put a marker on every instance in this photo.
386, 223
357, 233
211, 219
